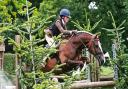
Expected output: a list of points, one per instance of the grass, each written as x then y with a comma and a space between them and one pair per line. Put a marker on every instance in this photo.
106, 71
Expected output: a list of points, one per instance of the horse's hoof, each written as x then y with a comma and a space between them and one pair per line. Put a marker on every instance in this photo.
43, 64
55, 79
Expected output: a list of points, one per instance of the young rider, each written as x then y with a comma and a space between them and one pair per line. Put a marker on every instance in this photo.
58, 27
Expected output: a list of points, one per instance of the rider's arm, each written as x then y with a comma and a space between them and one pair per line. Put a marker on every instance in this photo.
61, 29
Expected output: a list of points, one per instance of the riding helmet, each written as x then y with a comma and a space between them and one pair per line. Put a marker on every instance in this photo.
65, 12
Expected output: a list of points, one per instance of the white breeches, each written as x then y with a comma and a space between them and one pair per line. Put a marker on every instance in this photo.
50, 41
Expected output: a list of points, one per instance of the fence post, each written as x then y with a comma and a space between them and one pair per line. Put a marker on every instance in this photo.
114, 58
17, 60
114, 47
2, 49
92, 69
85, 53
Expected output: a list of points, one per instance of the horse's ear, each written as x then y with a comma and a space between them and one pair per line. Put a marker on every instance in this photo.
98, 33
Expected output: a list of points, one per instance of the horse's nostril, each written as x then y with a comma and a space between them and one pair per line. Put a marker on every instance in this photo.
102, 62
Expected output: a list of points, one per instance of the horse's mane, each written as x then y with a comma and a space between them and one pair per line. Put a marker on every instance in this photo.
80, 32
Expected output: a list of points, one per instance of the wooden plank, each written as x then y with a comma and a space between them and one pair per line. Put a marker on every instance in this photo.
10, 87
102, 78
2, 47
106, 78
92, 84
58, 76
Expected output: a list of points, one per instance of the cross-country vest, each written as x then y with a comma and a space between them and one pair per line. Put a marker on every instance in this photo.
54, 29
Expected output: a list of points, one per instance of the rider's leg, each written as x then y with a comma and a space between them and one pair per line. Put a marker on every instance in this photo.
50, 41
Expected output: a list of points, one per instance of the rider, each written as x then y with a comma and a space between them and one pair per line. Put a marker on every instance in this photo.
58, 27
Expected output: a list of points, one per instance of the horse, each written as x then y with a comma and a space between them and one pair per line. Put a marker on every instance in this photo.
69, 51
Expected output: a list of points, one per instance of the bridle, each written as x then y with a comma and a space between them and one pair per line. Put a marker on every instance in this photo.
90, 44
96, 53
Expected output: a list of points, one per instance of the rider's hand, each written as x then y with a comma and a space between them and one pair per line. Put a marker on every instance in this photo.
74, 31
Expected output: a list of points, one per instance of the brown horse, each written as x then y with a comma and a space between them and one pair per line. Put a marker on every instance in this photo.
70, 51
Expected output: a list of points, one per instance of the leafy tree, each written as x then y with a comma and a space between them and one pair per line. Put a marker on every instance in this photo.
30, 53
122, 58
119, 11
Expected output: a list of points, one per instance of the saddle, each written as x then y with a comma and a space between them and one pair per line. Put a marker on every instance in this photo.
64, 36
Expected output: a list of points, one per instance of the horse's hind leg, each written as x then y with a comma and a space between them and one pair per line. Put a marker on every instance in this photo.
65, 59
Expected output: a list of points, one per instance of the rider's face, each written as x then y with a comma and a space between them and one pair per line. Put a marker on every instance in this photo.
66, 19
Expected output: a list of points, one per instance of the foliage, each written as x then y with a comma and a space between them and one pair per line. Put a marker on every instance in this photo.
86, 27
116, 32
105, 71
122, 58
123, 71
44, 82
30, 54
9, 63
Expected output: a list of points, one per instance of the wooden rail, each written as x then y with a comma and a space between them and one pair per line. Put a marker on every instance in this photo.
102, 78
92, 84
106, 78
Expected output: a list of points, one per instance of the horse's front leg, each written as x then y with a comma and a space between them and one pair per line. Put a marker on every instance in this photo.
67, 54
75, 62
67, 59
51, 63
63, 58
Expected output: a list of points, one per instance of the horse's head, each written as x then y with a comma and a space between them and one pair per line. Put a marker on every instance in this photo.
94, 46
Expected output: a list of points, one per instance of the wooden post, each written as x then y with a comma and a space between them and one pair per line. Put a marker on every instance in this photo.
17, 39
94, 69
114, 48
88, 69
2, 49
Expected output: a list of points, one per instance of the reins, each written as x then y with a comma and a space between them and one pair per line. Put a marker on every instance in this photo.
87, 43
